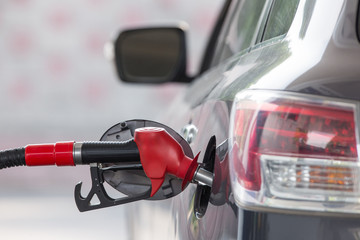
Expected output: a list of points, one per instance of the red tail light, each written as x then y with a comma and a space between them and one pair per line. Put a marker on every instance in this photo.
290, 147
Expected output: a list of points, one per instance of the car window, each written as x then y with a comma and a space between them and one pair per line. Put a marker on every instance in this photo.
243, 28
280, 18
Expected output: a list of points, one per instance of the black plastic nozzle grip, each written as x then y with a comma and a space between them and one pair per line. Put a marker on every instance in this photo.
109, 152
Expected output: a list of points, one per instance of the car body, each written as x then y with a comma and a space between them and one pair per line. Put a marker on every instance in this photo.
307, 51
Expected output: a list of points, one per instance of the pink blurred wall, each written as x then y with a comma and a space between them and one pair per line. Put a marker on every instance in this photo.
55, 84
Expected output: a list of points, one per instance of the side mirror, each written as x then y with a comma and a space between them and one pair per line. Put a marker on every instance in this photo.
151, 55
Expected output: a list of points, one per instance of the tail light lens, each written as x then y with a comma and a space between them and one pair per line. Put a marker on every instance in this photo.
295, 152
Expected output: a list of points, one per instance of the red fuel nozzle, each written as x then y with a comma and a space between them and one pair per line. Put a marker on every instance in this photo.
160, 153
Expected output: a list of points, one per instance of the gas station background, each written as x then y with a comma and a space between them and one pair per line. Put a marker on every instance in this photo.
55, 84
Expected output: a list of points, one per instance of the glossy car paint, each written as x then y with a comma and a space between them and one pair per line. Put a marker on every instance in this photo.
319, 55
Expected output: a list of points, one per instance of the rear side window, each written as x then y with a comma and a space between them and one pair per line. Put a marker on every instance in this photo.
280, 18
247, 22
255, 21
243, 28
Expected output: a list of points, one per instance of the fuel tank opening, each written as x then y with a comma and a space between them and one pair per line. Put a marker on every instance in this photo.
203, 192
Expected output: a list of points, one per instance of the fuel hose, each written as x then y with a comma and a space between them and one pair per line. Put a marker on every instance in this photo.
12, 158
70, 154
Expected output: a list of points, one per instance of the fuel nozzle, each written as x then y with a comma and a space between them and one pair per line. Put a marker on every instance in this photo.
161, 154
157, 151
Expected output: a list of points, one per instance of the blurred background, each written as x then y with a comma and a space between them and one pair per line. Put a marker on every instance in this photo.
55, 84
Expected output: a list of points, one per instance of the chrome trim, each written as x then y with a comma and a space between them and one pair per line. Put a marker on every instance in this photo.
77, 153
203, 177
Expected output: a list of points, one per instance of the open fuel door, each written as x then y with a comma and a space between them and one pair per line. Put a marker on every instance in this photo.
128, 177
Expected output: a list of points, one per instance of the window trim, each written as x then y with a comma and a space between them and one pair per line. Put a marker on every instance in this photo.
358, 22
263, 23
267, 23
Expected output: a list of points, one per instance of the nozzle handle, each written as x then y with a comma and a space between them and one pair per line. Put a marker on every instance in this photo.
161, 154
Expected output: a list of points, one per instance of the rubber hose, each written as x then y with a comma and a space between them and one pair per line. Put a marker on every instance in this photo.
12, 158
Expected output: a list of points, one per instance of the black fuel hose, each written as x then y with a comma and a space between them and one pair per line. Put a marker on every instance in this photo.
12, 158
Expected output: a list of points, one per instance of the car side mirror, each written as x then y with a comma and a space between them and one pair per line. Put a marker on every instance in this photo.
151, 55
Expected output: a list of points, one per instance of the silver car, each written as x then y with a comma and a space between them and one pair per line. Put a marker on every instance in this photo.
274, 113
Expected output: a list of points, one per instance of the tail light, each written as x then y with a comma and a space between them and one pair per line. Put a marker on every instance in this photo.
294, 152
